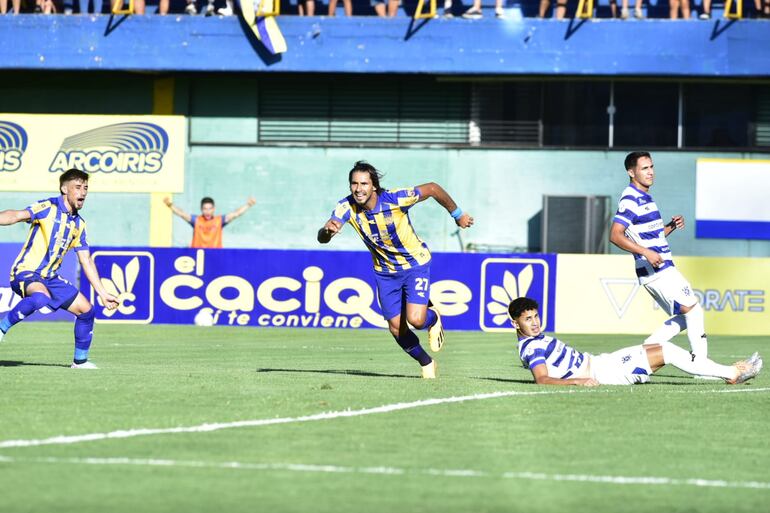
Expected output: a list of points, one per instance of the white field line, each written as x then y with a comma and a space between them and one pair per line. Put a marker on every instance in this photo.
395, 471
738, 390
203, 428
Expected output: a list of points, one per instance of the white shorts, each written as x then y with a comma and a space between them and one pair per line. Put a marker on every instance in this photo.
669, 289
625, 366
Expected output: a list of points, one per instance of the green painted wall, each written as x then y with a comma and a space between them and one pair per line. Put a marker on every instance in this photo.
296, 189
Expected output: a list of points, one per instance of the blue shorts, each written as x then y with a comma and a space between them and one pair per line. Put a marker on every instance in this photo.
62, 292
408, 286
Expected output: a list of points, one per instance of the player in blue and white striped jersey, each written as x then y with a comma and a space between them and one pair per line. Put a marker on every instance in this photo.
639, 229
552, 362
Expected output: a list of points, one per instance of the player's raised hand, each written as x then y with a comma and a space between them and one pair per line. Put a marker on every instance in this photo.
251, 201
678, 222
329, 230
332, 227
464, 221
167, 201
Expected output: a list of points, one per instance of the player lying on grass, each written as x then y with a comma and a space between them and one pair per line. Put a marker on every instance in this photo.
552, 362
401, 259
55, 228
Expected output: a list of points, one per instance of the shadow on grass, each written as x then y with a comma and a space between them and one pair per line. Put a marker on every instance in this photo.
14, 363
349, 372
506, 380
686, 380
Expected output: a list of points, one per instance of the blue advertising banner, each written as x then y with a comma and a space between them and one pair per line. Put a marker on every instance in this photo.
8, 299
309, 289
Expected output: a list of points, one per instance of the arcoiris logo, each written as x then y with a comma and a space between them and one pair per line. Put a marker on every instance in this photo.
13, 144
135, 147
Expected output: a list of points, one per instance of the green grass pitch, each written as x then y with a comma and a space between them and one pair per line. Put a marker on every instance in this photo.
676, 445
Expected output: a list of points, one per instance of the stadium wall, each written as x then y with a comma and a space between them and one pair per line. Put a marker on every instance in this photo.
524, 46
296, 189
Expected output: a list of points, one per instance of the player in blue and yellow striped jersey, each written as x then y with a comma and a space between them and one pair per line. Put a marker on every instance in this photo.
55, 228
401, 259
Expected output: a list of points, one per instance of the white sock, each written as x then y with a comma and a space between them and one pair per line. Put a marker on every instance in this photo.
696, 331
667, 330
702, 366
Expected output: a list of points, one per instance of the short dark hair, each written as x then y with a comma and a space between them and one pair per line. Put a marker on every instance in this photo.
521, 305
206, 200
363, 166
633, 157
72, 174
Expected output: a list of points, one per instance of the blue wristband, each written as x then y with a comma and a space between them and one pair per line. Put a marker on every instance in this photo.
457, 213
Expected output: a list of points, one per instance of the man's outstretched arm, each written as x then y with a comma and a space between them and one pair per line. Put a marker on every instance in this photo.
176, 210
9, 217
435, 191
240, 211
540, 373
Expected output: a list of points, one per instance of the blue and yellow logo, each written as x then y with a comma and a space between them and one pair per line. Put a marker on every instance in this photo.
130, 277
505, 279
13, 144
121, 148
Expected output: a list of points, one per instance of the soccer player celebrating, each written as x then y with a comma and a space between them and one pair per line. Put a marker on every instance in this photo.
56, 227
207, 228
401, 259
638, 228
552, 362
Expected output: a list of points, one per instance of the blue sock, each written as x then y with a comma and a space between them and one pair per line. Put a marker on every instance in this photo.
411, 345
24, 308
430, 319
84, 332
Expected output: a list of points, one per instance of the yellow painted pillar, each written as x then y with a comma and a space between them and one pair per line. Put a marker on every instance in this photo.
161, 218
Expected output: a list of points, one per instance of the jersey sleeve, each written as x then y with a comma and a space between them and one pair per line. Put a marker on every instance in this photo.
625, 214
341, 212
81, 242
39, 210
532, 356
193, 217
405, 198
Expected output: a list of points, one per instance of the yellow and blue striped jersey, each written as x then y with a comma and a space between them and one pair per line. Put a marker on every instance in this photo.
52, 233
386, 229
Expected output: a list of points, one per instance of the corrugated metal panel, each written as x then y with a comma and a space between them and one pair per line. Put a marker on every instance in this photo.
763, 119
364, 110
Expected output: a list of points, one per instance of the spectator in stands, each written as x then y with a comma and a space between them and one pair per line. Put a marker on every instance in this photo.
676, 5
45, 7
386, 8
624, 12
306, 7
560, 11
763, 8
4, 6
475, 12
348, 5
139, 6
706, 13
207, 228
98, 5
